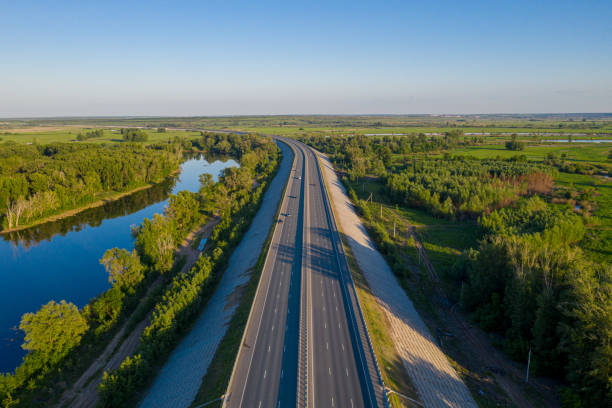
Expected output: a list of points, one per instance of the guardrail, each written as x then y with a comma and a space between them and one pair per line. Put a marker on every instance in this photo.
340, 248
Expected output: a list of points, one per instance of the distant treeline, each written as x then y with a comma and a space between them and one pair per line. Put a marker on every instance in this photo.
361, 155
92, 134
134, 135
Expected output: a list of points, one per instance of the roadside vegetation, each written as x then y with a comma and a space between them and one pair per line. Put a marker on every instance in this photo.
532, 262
236, 199
78, 336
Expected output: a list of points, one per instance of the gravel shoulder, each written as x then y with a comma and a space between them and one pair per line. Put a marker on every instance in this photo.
437, 383
179, 380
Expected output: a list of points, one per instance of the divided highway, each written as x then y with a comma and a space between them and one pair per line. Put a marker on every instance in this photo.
305, 343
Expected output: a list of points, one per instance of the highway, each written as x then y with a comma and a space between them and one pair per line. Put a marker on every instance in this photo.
305, 342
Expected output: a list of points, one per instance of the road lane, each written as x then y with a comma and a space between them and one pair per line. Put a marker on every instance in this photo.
305, 341
259, 369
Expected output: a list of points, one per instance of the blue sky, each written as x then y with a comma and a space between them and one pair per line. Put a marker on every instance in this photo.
60, 58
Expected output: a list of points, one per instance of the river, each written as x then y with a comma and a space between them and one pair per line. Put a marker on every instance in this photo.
60, 260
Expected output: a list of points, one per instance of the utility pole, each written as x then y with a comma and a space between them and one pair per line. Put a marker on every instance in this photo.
393, 227
528, 363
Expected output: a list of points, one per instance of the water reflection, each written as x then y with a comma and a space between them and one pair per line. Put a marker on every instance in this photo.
93, 217
60, 260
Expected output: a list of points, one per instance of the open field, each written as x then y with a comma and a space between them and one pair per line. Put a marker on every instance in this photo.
600, 124
44, 135
586, 152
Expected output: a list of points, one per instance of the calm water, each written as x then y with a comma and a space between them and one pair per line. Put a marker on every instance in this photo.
60, 260
580, 141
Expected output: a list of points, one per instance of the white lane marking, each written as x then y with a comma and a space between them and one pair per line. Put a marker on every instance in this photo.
336, 308
259, 404
272, 327
352, 403
326, 325
332, 401
268, 348
338, 325
342, 346
346, 371
329, 369
265, 373
327, 345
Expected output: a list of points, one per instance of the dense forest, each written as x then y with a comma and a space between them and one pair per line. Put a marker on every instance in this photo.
37, 181
528, 279
79, 335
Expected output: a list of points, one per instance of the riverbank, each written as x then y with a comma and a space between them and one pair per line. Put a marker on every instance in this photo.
98, 203
84, 392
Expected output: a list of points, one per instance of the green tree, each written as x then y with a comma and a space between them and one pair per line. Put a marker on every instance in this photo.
53, 331
123, 267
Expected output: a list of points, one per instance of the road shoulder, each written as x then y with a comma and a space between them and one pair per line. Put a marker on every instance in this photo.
437, 383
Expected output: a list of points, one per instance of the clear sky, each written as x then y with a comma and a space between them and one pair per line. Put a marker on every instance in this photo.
64, 58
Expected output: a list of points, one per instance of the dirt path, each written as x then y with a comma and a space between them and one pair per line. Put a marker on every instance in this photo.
506, 373
84, 392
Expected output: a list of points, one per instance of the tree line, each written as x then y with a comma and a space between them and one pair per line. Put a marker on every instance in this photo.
360, 155
37, 181
92, 134
459, 187
134, 135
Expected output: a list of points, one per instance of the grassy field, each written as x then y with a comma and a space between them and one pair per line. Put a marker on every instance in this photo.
444, 240
598, 243
69, 134
349, 124
584, 152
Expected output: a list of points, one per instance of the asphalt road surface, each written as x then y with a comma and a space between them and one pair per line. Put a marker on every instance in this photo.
305, 342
